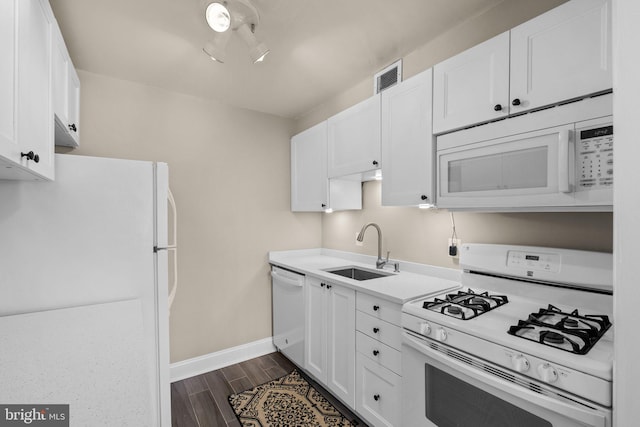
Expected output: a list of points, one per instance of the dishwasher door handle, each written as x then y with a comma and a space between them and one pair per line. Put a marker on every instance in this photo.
286, 280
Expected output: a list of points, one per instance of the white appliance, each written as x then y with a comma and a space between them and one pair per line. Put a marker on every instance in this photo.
560, 158
527, 341
288, 313
83, 285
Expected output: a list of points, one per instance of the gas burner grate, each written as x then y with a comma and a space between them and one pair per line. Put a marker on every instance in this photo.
570, 332
466, 305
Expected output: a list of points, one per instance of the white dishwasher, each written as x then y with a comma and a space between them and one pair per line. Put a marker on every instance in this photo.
288, 313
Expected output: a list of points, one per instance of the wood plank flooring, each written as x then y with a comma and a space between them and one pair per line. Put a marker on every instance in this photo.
201, 401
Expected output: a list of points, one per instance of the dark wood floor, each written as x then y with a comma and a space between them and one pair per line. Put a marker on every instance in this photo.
201, 401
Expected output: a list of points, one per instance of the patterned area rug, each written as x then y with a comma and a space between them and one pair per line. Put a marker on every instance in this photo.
287, 401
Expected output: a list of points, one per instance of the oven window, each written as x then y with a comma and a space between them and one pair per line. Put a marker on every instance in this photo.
451, 402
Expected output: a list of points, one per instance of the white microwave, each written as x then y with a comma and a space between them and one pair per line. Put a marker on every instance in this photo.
557, 159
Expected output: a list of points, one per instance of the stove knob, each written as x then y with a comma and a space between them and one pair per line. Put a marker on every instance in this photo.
520, 363
441, 335
425, 328
547, 373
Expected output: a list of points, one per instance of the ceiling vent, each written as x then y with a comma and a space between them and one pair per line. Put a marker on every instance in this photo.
387, 77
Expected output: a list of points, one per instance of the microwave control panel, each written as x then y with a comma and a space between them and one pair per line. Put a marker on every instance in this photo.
594, 154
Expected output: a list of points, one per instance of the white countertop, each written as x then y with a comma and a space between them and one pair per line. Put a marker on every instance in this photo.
413, 281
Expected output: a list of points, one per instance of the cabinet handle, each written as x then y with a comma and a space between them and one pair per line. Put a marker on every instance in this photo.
73, 127
31, 156
497, 107
376, 308
322, 285
323, 205
376, 352
423, 197
376, 397
376, 330
375, 163
328, 286
515, 101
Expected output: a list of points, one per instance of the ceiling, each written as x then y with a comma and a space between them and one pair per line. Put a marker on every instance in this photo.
319, 48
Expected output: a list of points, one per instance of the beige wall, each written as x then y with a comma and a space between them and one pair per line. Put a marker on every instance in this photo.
229, 172
421, 235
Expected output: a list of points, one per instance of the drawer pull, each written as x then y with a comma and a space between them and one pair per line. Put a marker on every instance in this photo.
376, 352
376, 330
322, 285
376, 307
376, 397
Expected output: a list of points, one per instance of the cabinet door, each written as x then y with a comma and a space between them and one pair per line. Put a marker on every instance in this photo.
341, 343
378, 394
407, 143
60, 80
309, 183
8, 53
473, 86
562, 54
354, 139
73, 112
315, 357
35, 116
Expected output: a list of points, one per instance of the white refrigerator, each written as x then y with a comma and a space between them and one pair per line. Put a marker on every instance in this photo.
83, 292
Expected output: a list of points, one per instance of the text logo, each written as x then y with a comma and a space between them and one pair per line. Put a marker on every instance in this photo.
34, 415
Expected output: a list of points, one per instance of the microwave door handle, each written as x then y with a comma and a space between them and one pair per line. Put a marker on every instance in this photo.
564, 137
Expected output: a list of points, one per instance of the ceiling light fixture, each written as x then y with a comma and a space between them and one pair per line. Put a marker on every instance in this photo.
217, 47
257, 51
218, 17
233, 15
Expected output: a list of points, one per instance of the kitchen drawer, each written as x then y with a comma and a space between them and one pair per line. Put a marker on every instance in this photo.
380, 353
378, 394
378, 307
379, 330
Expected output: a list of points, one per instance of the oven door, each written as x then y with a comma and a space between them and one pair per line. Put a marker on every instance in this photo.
444, 387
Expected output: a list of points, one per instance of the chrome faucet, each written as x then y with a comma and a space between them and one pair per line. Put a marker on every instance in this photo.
380, 262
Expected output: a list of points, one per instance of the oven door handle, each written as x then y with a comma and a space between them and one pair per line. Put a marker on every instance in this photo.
571, 411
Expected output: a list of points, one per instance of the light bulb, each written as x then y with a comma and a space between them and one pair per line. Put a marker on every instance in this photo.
218, 17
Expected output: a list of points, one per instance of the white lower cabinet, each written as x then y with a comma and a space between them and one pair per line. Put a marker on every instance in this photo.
330, 337
378, 361
378, 395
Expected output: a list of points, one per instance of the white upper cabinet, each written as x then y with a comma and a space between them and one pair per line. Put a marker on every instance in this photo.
563, 54
309, 183
407, 143
66, 95
354, 139
558, 56
8, 78
311, 189
26, 125
473, 86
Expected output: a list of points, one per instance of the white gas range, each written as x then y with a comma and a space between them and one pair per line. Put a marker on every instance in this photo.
526, 341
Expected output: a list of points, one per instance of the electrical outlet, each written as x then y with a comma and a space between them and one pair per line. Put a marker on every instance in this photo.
358, 243
453, 247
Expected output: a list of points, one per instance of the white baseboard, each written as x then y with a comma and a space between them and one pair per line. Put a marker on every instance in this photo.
212, 361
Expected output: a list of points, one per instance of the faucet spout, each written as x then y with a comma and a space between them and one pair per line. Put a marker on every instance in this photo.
380, 262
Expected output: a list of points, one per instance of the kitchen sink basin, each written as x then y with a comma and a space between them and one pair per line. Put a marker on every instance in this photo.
356, 273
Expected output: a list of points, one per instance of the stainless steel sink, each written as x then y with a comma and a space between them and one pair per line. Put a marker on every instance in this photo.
356, 273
